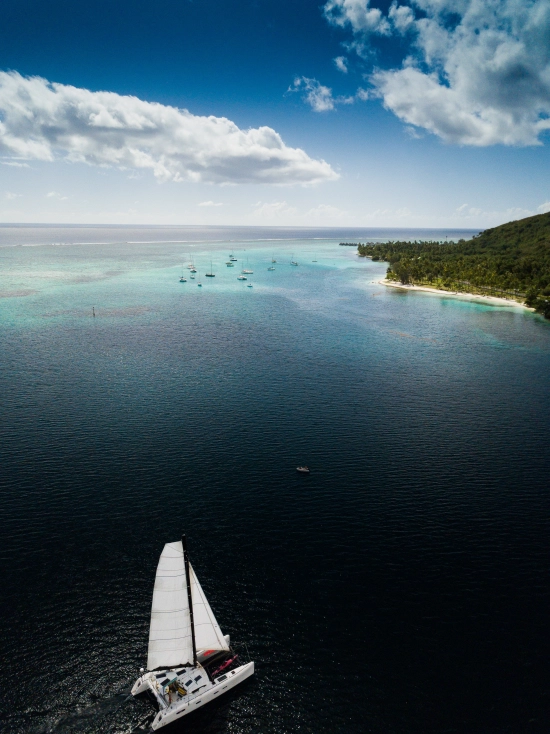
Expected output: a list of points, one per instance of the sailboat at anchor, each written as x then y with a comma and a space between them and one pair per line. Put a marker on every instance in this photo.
189, 661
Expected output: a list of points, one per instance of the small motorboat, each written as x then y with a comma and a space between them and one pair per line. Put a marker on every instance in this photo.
303, 469
249, 285
183, 280
241, 277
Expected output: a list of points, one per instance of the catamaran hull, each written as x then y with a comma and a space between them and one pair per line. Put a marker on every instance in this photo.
142, 684
182, 708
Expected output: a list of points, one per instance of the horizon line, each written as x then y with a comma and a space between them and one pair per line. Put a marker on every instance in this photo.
235, 226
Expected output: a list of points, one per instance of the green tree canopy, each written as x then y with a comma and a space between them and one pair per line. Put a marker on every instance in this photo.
511, 260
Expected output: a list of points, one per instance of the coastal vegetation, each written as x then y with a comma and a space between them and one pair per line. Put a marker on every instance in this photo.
510, 261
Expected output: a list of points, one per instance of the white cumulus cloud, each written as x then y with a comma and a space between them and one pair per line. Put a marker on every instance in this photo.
314, 93
341, 64
210, 203
477, 72
43, 121
325, 211
474, 214
358, 14
273, 211
14, 164
320, 98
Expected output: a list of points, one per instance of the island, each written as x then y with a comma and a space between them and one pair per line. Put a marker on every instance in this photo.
510, 262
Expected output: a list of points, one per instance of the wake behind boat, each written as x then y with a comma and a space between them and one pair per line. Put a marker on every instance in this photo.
190, 661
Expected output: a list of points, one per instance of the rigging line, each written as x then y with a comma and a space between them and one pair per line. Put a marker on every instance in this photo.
170, 611
180, 637
189, 596
168, 639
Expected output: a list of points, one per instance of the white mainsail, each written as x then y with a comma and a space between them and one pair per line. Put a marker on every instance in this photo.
170, 641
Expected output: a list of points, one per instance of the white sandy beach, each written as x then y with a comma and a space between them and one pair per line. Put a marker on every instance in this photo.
490, 300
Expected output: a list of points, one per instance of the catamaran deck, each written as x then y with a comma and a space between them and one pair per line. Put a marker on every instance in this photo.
179, 692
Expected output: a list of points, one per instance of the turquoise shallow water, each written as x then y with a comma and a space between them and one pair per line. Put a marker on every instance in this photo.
401, 587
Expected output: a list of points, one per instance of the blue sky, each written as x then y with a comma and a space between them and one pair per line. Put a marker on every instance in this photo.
348, 112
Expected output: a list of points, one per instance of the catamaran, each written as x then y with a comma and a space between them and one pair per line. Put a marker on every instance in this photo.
189, 661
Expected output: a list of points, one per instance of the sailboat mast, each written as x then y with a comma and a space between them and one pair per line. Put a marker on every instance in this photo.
189, 599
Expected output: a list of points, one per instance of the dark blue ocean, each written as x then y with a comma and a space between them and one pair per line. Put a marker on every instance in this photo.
401, 588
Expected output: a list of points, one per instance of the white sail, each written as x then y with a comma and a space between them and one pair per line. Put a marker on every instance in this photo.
170, 641
208, 635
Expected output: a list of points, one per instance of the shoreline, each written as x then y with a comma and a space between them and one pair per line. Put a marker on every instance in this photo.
491, 300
